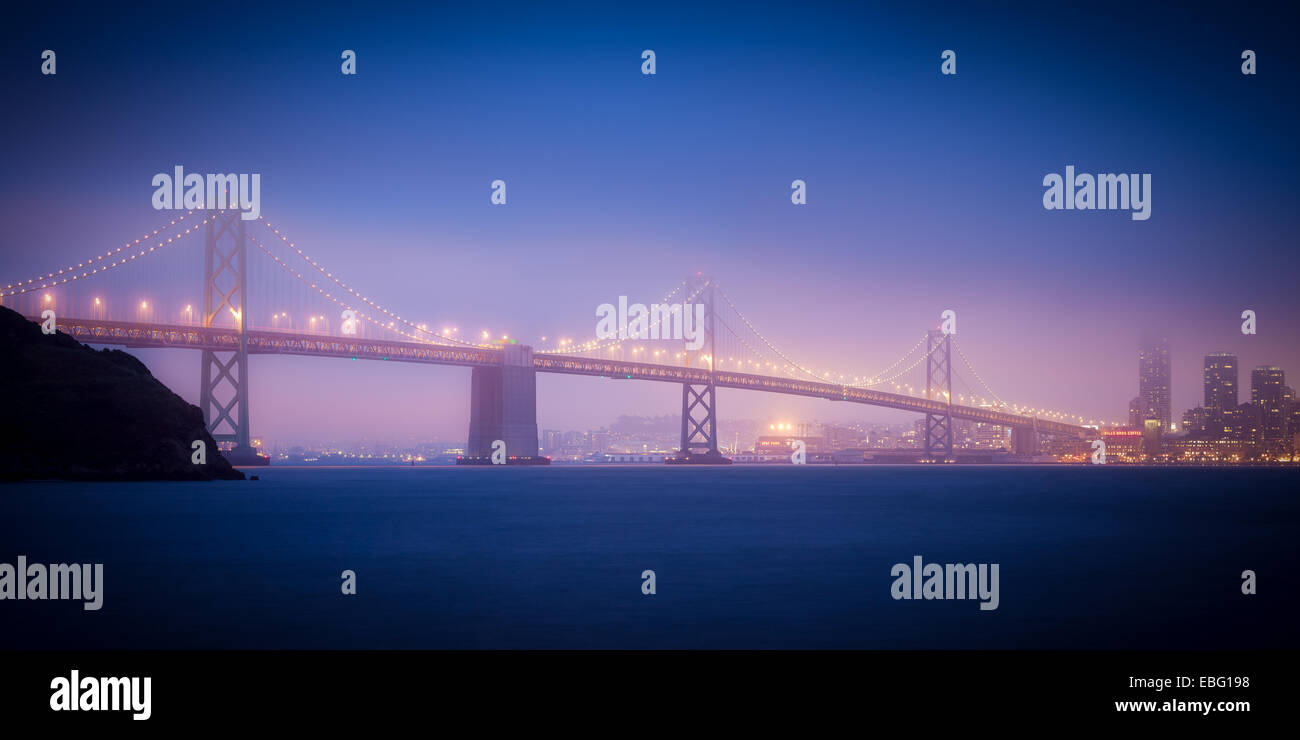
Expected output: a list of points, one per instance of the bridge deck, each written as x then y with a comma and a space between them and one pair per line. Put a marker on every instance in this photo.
319, 345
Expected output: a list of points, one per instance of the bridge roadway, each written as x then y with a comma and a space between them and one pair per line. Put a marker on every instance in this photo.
260, 342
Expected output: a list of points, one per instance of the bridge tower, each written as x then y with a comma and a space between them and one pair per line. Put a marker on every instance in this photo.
938, 387
224, 384
699, 400
503, 408
1025, 440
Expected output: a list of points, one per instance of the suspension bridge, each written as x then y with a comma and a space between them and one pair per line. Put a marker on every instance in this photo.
262, 294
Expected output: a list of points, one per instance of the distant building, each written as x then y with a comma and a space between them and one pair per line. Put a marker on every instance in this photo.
840, 438
1154, 379
784, 444
1124, 445
1220, 380
1071, 449
552, 440
1196, 422
991, 436
1151, 437
1214, 451
1269, 392
1288, 400
1220, 393
620, 457
1135, 413
1246, 422
963, 433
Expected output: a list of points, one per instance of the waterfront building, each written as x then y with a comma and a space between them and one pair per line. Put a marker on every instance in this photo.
1154, 379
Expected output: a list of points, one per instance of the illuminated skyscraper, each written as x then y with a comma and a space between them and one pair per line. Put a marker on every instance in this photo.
1220, 393
1153, 379
1220, 380
1268, 391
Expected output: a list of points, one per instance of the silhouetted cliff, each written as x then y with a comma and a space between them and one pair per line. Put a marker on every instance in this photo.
67, 411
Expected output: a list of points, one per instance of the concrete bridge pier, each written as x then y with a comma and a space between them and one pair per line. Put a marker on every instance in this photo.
1024, 441
503, 406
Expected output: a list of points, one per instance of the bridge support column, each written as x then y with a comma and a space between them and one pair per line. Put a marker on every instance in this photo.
1024, 441
938, 387
699, 400
223, 391
503, 406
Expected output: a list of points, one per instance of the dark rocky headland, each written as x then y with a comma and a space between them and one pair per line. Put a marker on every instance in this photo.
72, 413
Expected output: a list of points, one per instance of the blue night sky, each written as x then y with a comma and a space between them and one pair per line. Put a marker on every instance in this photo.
924, 191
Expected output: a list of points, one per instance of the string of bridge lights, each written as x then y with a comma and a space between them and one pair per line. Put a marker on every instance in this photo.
357, 295
784, 368
974, 399
822, 378
326, 294
53, 278
597, 344
1018, 409
911, 367
879, 378
874, 380
741, 339
962, 380
897, 375
764, 339
971, 367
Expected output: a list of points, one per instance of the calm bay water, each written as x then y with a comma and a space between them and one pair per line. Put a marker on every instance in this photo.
745, 557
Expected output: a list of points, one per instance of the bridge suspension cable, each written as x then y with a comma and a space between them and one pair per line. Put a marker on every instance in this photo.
909, 368
879, 379
971, 367
970, 392
872, 380
53, 278
597, 344
360, 314
353, 293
